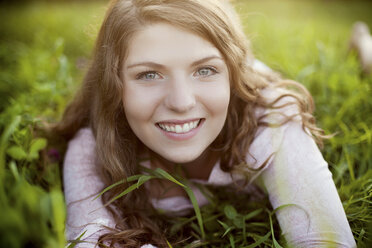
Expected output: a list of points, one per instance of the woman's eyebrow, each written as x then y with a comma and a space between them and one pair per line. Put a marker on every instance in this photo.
147, 63
160, 66
203, 60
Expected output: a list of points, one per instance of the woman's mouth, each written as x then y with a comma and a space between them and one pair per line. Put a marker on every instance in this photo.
179, 128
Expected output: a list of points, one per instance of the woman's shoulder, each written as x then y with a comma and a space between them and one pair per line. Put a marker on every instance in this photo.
282, 115
83, 141
281, 103
84, 131
84, 134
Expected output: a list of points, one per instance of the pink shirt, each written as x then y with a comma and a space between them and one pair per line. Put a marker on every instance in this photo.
296, 174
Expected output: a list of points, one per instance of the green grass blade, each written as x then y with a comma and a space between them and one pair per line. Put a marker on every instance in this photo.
360, 236
75, 242
232, 241
194, 202
129, 179
166, 175
224, 225
260, 241
276, 244
4, 140
143, 179
128, 190
244, 231
3, 146
227, 231
253, 214
169, 245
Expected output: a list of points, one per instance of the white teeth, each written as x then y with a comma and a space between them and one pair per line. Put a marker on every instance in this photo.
178, 129
187, 127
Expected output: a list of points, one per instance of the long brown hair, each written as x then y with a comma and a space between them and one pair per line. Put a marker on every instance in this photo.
98, 104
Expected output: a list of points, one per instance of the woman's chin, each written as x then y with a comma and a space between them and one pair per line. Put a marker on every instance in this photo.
183, 159
179, 157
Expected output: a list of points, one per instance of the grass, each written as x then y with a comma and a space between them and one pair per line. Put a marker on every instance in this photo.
43, 49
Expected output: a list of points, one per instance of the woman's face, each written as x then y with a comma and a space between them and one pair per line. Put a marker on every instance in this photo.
176, 91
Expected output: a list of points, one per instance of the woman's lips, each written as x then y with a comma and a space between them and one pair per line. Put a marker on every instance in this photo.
180, 129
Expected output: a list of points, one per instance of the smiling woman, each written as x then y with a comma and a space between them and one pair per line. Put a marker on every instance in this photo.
181, 79
173, 83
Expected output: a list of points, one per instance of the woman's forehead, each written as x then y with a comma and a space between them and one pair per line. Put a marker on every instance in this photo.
164, 42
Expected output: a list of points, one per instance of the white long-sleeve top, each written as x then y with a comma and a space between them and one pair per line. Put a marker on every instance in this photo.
296, 174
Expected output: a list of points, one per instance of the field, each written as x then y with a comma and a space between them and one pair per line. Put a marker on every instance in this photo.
44, 49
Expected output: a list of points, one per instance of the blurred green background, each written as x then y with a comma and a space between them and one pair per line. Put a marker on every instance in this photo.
45, 47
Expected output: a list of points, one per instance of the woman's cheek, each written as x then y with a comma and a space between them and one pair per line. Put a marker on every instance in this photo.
139, 103
217, 99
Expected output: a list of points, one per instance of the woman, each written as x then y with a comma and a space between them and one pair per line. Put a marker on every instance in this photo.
172, 82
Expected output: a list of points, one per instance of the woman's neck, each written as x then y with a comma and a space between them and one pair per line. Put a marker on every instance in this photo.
200, 168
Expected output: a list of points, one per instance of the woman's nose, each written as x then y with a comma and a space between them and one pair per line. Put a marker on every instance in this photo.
180, 97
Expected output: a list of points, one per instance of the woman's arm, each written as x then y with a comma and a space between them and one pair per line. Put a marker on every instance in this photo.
299, 176
81, 185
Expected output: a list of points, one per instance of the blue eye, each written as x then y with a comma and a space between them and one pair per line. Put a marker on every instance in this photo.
206, 71
148, 75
